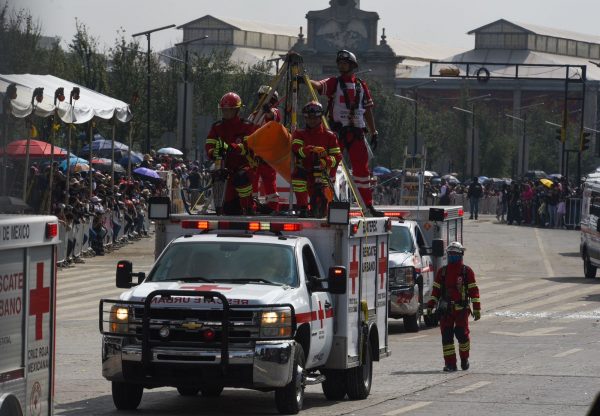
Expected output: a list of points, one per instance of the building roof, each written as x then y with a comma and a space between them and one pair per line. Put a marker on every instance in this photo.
512, 57
544, 31
416, 51
252, 26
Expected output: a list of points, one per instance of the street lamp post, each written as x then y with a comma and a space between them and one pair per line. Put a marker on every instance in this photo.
185, 89
415, 102
524, 137
147, 33
472, 112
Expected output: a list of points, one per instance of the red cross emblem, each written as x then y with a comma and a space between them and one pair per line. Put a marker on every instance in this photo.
353, 269
39, 299
205, 288
382, 265
321, 314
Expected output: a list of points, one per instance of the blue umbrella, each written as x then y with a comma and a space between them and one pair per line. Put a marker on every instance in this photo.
104, 144
149, 173
380, 170
72, 162
136, 158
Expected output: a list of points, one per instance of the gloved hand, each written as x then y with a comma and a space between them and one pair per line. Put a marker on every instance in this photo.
429, 311
477, 315
374, 137
319, 151
238, 148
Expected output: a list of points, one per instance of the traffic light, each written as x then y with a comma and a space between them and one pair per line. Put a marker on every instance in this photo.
584, 144
561, 134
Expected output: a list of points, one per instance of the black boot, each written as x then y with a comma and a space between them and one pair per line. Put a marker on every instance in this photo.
464, 364
449, 368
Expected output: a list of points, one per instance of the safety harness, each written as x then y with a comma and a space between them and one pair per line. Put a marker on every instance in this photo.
464, 294
351, 105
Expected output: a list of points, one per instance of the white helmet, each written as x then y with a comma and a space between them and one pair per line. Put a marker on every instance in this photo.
455, 248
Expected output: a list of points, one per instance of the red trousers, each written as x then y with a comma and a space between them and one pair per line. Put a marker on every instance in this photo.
354, 143
455, 323
238, 192
268, 176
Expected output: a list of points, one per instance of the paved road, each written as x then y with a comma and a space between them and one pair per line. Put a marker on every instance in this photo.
534, 352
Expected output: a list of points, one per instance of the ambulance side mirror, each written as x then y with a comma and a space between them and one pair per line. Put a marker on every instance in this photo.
336, 280
124, 269
437, 248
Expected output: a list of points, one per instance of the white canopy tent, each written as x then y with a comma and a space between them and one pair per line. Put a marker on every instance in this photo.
86, 107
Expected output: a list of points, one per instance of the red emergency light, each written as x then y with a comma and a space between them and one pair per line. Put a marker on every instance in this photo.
461, 212
51, 230
396, 214
241, 225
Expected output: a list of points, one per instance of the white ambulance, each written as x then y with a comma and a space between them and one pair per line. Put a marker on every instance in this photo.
27, 313
269, 303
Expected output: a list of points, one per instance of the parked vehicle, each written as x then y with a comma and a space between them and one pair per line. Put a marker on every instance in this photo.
590, 226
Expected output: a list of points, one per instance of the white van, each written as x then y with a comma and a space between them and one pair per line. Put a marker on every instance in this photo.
590, 226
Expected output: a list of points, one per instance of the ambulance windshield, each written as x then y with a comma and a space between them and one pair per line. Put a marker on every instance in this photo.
227, 262
401, 241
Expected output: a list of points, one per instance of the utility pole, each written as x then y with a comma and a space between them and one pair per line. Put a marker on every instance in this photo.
523, 119
147, 33
472, 113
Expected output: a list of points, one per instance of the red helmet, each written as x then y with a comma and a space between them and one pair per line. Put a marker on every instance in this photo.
230, 100
313, 108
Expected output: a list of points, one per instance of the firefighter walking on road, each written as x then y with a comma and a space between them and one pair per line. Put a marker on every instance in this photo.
226, 140
454, 288
317, 152
350, 110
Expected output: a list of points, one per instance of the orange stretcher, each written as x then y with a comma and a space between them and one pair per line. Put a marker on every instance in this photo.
273, 143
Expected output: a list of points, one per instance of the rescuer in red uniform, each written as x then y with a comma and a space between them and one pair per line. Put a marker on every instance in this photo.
226, 140
317, 152
350, 111
264, 172
454, 286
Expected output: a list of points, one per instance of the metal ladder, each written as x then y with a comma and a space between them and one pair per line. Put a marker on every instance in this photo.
413, 175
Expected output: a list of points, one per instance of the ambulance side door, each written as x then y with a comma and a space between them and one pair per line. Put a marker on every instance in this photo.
321, 306
427, 267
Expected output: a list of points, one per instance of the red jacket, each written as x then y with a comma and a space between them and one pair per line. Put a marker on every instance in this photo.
231, 132
456, 289
304, 140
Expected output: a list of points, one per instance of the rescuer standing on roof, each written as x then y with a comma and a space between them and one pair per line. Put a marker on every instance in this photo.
350, 111
226, 140
264, 171
317, 152
454, 288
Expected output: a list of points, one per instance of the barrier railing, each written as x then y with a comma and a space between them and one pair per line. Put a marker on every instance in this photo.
573, 214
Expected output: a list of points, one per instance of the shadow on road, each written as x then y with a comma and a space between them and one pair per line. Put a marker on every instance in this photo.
168, 403
572, 279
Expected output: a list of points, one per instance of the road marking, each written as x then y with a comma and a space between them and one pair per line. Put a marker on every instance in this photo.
417, 337
538, 332
544, 256
471, 387
563, 295
414, 406
565, 353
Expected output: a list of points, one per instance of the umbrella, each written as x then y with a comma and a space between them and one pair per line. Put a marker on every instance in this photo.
170, 151
105, 165
380, 170
37, 148
429, 174
149, 173
547, 182
72, 162
451, 179
136, 158
104, 144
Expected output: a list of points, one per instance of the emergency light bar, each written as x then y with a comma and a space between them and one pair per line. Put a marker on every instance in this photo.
240, 225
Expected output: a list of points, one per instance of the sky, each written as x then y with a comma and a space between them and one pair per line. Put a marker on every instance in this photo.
437, 22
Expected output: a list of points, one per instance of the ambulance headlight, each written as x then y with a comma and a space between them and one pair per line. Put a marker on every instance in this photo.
119, 319
276, 323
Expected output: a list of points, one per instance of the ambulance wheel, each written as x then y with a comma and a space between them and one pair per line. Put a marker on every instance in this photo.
126, 396
430, 320
589, 270
289, 399
359, 379
334, 386
411, 323
211, 391
187, 391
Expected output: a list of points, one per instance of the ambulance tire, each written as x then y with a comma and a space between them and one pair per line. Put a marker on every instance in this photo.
211, 391
334, 386
187, 391
411, 323
126, 396
289, 399
359, 379
589, 270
